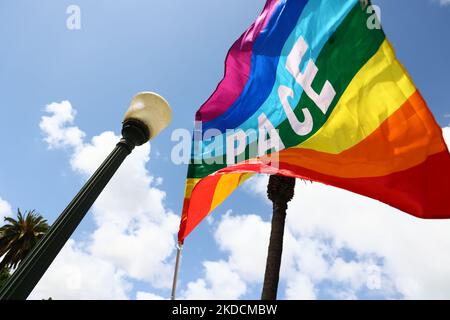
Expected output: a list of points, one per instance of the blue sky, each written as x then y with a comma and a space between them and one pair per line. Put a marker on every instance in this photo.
177, 48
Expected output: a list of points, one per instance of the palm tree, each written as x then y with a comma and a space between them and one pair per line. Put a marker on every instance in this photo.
280, 191
18, 237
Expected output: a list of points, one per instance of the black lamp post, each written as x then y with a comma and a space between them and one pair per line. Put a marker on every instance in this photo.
148, 114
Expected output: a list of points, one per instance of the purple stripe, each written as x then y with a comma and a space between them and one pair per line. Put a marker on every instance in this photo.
237, 68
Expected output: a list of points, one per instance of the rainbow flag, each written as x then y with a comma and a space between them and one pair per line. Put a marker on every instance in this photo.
313, 90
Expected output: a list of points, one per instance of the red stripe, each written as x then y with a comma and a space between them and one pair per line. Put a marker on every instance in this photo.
196, 208
422, 191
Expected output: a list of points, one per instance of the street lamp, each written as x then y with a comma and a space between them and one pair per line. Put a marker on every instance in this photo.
146, 117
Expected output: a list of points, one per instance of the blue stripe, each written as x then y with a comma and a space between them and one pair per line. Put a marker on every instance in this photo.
266, 54
318, 21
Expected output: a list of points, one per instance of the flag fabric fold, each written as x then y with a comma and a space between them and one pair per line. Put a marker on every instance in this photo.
312, 90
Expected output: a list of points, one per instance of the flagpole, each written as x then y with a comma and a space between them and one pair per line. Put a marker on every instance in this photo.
175, 274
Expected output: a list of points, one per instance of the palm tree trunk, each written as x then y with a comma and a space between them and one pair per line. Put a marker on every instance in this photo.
280, 191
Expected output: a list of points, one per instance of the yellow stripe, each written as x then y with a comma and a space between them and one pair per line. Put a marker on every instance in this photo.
226, 185
190, 184
379, 89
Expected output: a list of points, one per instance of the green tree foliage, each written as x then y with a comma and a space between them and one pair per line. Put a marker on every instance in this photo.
18, 237
4, 276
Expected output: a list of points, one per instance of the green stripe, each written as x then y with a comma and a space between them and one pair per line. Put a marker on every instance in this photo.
345, 53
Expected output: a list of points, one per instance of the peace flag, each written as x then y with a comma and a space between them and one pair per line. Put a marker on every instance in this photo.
313, 90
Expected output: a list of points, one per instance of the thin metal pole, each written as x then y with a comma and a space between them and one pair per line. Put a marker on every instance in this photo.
175, 274
33, 267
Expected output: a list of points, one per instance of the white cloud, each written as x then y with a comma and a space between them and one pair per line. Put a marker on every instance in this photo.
300, 287
220, 283
444, 2
135, 232
5, 210
446, 133
130, 214
413, 251
76, 274
245, 239
55, 127
140, 295
306, 261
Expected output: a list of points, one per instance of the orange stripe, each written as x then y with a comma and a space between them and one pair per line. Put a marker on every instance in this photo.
421, 190
198, 205
402, 141
206, 195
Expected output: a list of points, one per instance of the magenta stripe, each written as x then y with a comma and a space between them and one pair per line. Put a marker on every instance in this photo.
237, 68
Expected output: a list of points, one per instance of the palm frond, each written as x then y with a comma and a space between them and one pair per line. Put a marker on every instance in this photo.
18, 236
